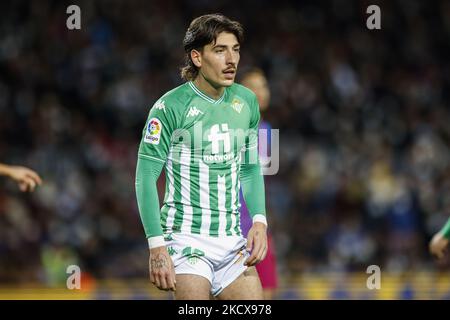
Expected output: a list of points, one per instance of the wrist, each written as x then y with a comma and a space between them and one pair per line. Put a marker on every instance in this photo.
445, 231
260, 218
157, 241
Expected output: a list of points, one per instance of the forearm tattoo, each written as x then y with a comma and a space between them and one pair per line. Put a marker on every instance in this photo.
159, 261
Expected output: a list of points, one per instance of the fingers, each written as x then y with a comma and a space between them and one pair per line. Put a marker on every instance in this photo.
264, 254
152, 277
157, 282
438, 246
34, 176
168, 281
249, 242
171, 281
162, 272
258, 252
165, 281
27, 184
28, 179
31, 184
23, 186
251, 260
439, 253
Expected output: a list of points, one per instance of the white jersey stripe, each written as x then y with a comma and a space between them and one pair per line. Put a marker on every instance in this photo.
170, 200
221, 199
239, 204
185, 164
233, 197
204, 198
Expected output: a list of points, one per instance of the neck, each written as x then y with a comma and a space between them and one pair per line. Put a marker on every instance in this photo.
207, 87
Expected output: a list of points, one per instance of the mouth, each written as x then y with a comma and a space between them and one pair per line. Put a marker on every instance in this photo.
229, 73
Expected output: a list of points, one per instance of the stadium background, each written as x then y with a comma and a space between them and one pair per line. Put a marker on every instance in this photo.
364, 141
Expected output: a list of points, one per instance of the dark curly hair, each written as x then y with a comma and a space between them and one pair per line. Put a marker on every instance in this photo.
204, 30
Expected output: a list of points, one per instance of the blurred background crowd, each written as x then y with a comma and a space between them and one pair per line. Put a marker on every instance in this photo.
363, 117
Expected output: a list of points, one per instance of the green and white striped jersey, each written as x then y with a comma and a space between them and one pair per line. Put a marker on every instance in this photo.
202, 143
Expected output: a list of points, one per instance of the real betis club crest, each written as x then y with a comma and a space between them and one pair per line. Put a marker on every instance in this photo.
237, 105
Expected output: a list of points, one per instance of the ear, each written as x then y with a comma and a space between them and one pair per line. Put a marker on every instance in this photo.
196, 58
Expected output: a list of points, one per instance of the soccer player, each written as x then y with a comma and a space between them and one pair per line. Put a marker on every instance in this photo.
256, 81
439, 242
26, 178
204, 133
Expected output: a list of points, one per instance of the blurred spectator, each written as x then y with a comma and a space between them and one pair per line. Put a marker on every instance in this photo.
363, 117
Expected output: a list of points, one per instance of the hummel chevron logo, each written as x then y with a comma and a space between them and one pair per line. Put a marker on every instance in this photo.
193, 112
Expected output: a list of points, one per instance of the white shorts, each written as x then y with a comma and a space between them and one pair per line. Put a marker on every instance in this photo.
220, 260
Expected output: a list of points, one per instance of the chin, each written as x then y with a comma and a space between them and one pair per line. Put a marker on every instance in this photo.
227, 82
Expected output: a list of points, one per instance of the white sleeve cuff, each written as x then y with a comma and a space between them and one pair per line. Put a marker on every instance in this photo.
154, 242
260, 218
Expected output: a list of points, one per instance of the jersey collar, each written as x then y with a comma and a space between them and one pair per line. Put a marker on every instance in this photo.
204, 96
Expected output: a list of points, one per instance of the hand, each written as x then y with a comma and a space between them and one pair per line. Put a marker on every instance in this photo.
438, 245
162, 272
256, 243
26, 178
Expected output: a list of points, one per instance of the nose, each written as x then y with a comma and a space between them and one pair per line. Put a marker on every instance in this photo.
231, 57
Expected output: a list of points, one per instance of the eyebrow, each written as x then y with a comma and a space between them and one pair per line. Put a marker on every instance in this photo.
222, 46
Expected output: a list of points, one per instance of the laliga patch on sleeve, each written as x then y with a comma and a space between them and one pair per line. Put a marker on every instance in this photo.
153, 132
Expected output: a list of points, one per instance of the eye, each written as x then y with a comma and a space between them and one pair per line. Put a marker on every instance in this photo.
237, 49
219, 50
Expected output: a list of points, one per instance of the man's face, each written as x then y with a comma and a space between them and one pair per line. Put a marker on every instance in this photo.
258, 84
219, 60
